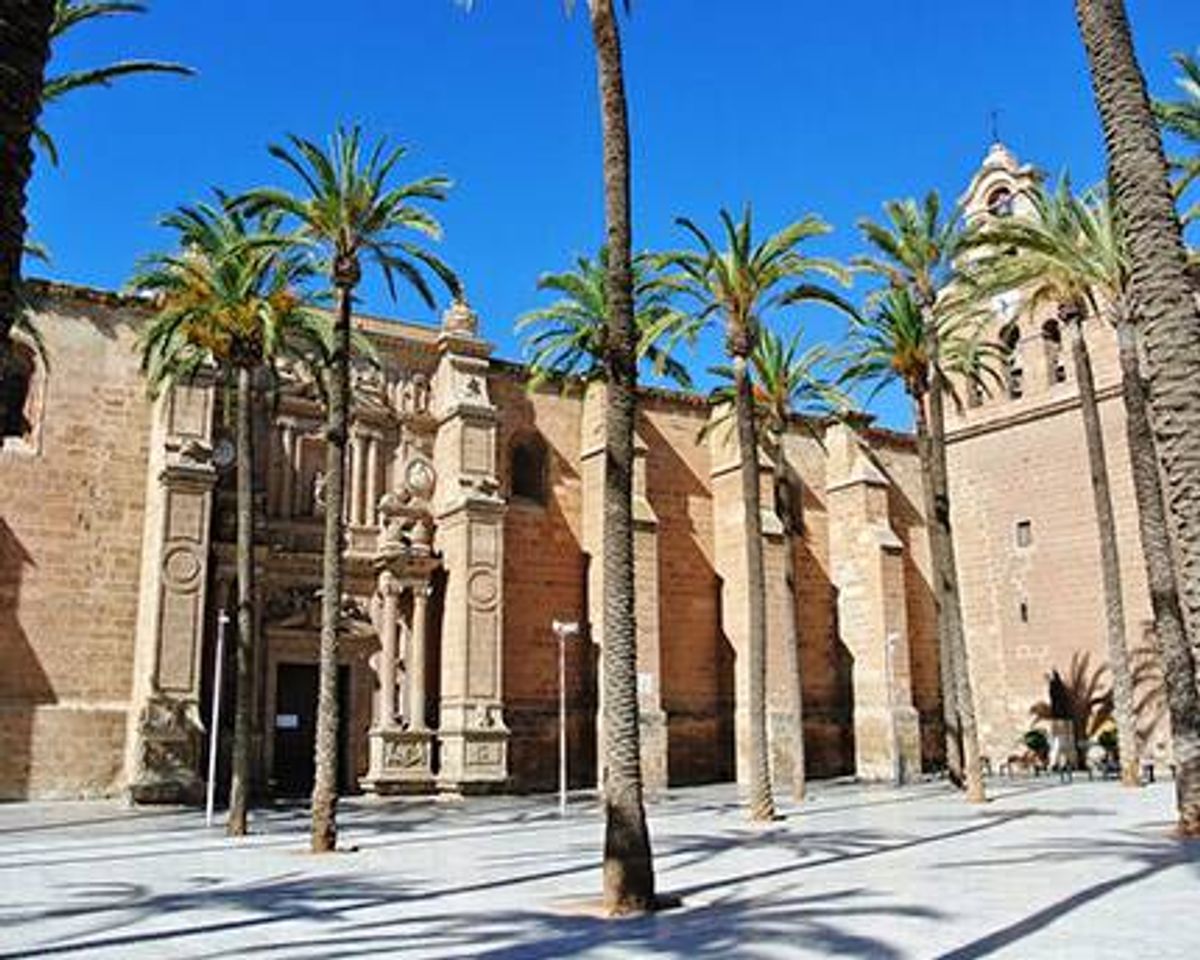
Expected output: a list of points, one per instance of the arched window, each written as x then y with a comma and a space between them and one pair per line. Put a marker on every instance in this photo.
528, 463
1056, 370
19, 397
1010, 341
1000, 202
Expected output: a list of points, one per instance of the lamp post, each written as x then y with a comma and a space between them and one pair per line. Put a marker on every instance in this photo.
563, 631
894, 733
215, 720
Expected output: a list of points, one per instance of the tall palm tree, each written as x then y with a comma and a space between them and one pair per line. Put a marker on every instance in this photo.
1098, 255
1056, 256
24, 50
228, 299
1182, 118
349, 211
915, 249
628, 863
1168, 315
569, 336
734, 287
68, 15
28, 30
789, 381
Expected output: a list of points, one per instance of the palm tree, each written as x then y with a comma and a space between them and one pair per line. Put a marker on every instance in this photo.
228, 300
27, 32
1163, 300
1182, 118
789, 381
568, 337
349, 212
628, 864
735, 286
915, 250
1058, 256
24, 50
69, 14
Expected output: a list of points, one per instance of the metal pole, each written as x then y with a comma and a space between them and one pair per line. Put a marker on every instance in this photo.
889, 657
215, 720
562, 723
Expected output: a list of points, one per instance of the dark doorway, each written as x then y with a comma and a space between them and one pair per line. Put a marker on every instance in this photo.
295, 724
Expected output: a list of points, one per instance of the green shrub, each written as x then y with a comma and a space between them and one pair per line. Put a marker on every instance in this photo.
1037, 741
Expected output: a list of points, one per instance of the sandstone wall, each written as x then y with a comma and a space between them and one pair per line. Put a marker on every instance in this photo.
71, 509
1031, 609
545, 577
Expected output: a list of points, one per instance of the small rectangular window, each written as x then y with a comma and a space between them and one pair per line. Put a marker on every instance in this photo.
1024, 533
1024, 611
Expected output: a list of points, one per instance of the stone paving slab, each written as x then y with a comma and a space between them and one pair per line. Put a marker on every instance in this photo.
1043, 870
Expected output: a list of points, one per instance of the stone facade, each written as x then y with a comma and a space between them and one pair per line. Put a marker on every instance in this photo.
473, 513
474, 519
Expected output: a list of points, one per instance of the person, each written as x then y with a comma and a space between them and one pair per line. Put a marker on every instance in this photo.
1058, 760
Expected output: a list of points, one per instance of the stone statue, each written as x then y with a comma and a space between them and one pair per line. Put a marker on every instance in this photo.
318, 494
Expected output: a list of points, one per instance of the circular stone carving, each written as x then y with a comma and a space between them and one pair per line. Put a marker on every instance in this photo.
481, 588
419, 478
181, 567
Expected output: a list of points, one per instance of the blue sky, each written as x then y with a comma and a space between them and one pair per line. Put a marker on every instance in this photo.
797, 107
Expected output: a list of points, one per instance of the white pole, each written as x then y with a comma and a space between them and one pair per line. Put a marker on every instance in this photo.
562, 631
889, 671
215, 720
562, 724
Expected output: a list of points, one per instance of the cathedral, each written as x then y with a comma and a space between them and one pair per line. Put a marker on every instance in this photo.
473, 515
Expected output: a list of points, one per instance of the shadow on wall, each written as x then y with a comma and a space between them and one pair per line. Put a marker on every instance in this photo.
827, 667
23, 683
545, 578
697, 659
908, 521
1083, 695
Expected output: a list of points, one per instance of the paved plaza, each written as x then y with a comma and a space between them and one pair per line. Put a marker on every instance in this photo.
1043, 870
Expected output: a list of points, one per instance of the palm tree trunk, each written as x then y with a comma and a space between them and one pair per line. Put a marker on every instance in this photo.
1161, 296
24, 50
1110, 560
946, 567
1171, 642
325, 785
235, 825
791, 629
953, 732
762, 804
628, 865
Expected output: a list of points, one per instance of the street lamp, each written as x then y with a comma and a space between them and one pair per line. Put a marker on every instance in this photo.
890, 677
563, 631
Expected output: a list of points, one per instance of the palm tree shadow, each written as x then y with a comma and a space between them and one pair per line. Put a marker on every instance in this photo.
1148, 856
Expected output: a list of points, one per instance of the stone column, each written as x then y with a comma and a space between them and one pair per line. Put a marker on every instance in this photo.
730, 562
652, 719
388, 630
470, 537
401, 756
416, 661
357, 471
287, 470
164, 742
372, 504
867, 563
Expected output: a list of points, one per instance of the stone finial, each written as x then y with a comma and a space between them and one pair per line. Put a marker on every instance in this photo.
1000, 156
460, 318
